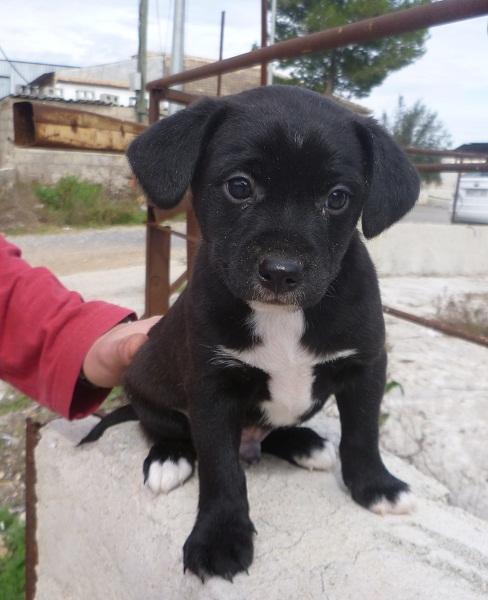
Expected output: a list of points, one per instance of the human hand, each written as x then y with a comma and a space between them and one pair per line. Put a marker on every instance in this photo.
109, 356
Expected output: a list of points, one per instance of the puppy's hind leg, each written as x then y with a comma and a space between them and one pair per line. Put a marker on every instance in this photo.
300, 446
171, 460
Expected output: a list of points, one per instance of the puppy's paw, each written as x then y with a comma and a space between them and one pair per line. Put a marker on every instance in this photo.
219, 545
383, 494
301, 446
321, 459
404, 503
167, 467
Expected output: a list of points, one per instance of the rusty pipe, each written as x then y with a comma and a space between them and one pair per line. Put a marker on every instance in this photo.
393, 23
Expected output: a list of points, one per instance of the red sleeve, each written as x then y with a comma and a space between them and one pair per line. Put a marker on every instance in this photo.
45, 333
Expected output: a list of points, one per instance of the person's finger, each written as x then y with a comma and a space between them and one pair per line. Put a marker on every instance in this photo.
109, 356
129, 346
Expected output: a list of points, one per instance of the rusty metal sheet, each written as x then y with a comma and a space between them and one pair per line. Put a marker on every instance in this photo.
56, 127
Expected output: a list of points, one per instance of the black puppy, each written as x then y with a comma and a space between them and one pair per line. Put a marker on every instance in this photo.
283, 308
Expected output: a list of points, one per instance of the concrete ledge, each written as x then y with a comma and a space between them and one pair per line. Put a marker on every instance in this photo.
432, 250
101, 535
8, 177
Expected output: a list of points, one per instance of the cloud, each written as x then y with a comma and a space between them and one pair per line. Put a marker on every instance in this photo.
451, 78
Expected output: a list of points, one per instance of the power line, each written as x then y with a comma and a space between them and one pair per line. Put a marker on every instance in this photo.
12, 65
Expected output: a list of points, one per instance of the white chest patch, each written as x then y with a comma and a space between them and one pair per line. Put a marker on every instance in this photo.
287, 362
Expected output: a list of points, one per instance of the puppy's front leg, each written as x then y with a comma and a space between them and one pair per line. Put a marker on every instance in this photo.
221, 541
363, 471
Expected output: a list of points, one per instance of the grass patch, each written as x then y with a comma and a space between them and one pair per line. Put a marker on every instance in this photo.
76, 203
115, 399
12, 557
14, 403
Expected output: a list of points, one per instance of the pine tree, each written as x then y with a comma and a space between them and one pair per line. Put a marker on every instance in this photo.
353, 70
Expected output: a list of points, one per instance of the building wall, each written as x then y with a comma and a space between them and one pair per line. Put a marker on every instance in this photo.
48, 166
9, 77
69, 91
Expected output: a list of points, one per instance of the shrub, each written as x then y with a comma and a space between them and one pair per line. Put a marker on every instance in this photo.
74, 202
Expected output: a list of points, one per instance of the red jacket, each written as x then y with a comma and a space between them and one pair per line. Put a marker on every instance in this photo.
45, 333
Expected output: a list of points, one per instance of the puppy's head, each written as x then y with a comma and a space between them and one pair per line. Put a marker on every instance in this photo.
280, 177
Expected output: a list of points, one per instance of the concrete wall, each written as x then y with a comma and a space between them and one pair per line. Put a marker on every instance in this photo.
441, 194
100, 534
48, 166
431, 249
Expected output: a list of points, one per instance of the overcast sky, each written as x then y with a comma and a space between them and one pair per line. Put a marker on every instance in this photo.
451, 78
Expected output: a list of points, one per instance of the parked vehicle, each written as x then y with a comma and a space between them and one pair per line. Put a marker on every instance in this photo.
471, 198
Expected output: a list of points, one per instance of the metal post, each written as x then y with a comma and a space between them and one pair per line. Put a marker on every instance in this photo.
272, 36
158, 248
178, 46
154, 99
264, 39
221, 50
455, 199
141, 104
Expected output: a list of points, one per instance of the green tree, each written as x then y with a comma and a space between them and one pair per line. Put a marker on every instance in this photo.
352, 70
418, 126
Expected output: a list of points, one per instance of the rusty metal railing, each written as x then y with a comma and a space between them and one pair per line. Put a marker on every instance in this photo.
158, 285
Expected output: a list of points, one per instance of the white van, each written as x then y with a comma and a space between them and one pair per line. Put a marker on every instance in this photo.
471, 198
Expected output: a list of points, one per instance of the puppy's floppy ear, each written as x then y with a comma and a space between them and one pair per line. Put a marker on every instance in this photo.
165, 156
393, 182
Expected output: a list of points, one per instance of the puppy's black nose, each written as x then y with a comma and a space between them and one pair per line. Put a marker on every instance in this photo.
280, 274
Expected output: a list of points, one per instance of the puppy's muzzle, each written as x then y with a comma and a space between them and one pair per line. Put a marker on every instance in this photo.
280, 275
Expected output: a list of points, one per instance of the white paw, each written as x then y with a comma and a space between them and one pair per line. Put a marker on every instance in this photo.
404, 504
167, 475
322, 459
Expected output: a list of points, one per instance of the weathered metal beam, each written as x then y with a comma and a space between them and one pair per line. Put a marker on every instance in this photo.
452, 167
154, 99
446, 153
158, 248
176, 285
56, 127
367, 30
31, 439
180, 97
437, 325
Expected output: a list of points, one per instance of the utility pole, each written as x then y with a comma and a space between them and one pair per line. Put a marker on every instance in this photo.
141, 104
178, 47
272, 35
221, 51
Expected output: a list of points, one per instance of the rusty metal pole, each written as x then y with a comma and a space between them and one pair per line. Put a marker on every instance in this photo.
437, 325
158, 248
264, 39
154, 98
221, 51
452, 167
375, 28
193, 234
31, 556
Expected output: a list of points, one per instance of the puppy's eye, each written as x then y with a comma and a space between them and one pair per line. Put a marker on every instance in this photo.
239, 188
338, 199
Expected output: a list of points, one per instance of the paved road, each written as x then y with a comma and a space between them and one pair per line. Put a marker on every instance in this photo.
428, 214
75, 251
